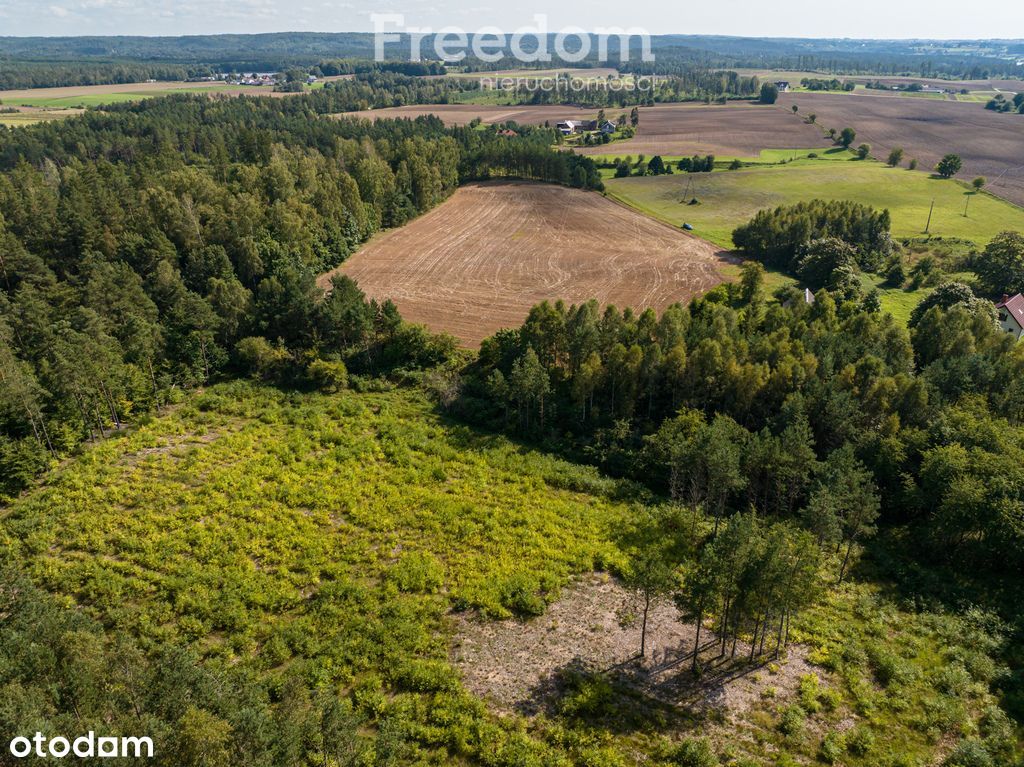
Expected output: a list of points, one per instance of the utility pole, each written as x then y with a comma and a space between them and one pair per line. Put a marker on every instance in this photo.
966, 203
929, 224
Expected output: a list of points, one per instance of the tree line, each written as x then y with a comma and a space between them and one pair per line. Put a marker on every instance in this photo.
821, 414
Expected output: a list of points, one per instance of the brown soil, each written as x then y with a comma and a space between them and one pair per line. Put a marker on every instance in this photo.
733, 130
595, 626
480, 260
738, 129
990, 144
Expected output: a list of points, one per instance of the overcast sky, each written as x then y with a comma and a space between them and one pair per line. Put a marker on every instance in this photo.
782, 18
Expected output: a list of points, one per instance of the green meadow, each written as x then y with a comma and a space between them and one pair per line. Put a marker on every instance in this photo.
727, 199
281, 533
98, 99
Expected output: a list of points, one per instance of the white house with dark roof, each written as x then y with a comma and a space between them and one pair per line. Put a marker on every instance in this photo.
1011, 315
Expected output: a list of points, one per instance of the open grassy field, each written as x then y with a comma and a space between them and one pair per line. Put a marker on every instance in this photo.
96, 95
33, 116
991, 144
794, 78
766, 157
381, 549
730, 198
479, 261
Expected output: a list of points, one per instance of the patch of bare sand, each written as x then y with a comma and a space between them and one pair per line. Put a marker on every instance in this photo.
516, 665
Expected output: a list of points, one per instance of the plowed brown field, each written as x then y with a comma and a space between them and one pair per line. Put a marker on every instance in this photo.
735, 130
480, 260
738, 129
990, 144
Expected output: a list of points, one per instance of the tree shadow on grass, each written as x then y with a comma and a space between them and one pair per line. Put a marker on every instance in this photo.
635, 696
582, 477
610, 699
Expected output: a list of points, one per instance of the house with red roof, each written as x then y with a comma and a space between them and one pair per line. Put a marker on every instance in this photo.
1011, 315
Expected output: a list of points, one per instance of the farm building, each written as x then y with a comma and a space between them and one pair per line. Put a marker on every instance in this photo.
783, 86
1011, 315
568, 127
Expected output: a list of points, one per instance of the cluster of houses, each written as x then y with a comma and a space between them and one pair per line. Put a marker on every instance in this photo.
255, 78
569, 127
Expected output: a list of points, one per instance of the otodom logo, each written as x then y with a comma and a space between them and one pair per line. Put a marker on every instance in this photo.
83, 747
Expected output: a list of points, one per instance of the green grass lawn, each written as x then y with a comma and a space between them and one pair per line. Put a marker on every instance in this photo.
977, 96
483, 97
764, 157
98, 99
730, 198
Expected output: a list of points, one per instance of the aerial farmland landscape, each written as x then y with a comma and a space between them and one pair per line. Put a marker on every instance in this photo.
497, 249
523, 393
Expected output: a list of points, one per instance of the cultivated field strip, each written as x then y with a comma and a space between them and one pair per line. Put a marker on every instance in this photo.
735, 130
670, 129
991, 144
479, 261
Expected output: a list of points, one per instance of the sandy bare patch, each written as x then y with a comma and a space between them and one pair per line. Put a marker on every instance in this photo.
516, 665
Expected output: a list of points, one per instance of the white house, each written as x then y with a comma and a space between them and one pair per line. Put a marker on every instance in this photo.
1011, 315
568, 127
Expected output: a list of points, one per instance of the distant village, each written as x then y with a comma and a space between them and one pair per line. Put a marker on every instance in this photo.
270, 79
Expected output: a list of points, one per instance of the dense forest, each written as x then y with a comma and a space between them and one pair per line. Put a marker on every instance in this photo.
141, 247
46, 74
46, 62
793, 410
694, 84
